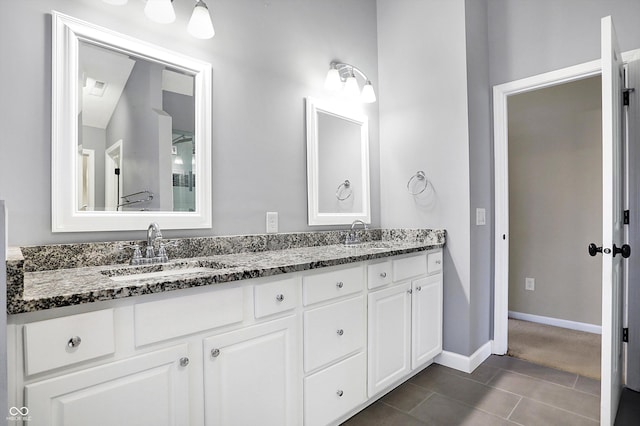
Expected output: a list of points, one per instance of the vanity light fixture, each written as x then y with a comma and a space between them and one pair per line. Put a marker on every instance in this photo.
343, 76
161, 11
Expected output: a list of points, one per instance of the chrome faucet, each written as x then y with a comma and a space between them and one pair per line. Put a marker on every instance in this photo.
352, 236
153, 234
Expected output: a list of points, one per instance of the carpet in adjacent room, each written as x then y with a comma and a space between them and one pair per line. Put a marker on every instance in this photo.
561, 348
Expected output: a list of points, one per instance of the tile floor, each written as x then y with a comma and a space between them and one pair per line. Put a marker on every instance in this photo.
501, 391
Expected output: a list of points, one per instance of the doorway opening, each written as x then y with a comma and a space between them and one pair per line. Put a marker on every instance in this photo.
555, 211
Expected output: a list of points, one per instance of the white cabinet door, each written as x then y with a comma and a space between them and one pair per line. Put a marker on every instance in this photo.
150, 389
252, 376
389, 336
426, 313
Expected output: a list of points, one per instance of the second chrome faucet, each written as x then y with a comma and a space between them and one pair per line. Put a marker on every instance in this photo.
153, 234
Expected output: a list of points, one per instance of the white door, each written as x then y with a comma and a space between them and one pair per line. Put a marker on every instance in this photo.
252, 376
389, 336
426, 314
151, 389
612, 223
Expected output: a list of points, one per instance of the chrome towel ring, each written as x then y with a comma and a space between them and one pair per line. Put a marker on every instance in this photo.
420, 181
344, 188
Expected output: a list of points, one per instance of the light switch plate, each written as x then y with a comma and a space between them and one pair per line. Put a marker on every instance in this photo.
481, 216
272, 222
529, 284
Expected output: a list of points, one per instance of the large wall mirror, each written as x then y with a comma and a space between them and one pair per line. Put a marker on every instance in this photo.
131, 133
337, 164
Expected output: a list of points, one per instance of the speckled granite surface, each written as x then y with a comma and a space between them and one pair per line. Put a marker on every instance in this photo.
44, 277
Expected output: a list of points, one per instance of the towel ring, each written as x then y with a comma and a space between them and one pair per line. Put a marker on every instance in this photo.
419, 176
344, 187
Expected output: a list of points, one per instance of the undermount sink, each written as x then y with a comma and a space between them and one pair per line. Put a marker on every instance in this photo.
162, 270
159, 274
371, 245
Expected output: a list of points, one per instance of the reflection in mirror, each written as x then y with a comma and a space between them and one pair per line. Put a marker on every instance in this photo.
337, 164
131, 133
129, 109
183, 151
340, 178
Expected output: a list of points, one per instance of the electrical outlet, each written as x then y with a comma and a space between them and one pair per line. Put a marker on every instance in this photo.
481, 216
529, 284
272, 222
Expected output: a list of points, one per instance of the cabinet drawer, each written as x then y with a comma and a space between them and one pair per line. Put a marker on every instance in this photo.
333, 331
333, 392
65, 341
179, 316
409, 267
329, 285
434, 262
379, 274
274, 297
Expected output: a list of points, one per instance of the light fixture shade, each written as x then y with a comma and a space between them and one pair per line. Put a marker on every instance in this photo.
351, 87
200, 25
368, 94
160, 11
333, 81
116, 2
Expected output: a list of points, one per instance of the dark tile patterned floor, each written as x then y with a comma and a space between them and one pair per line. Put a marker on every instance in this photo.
501, 391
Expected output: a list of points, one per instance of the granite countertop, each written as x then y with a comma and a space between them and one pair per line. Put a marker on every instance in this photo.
45, 289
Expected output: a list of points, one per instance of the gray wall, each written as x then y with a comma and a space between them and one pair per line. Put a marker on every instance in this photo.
3, 317
480, 171
424, 126
529, 37
555, 201
266, 58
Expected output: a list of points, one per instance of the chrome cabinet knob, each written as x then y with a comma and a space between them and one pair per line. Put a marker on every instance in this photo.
339, 284
419, 288
184, 361
383, 274
409, 291
339, 392
438, 262
280, 297
74, 342
215, 352
340, 332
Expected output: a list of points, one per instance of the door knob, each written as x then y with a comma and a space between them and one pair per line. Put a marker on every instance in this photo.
625, 250
593, 249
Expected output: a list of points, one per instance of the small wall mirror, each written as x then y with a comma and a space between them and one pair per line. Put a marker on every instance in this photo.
337, 164
131, 133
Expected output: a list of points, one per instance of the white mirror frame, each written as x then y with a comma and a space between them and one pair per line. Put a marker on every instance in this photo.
345, 112
67, 33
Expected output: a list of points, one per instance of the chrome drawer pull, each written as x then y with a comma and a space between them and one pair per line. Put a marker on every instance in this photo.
184, 361
383, 274
215, 352
340, 332
280, 297
74, 342
339, 284
339, 393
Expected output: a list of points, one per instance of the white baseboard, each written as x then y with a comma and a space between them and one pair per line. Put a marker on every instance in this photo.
573, 325
464, 363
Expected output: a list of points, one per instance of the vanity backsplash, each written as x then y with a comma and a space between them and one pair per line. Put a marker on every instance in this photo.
66, 256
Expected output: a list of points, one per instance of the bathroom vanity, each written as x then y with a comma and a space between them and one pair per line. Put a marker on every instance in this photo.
301, 335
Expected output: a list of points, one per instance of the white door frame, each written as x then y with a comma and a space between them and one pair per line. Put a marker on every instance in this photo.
113, 159
501, 179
